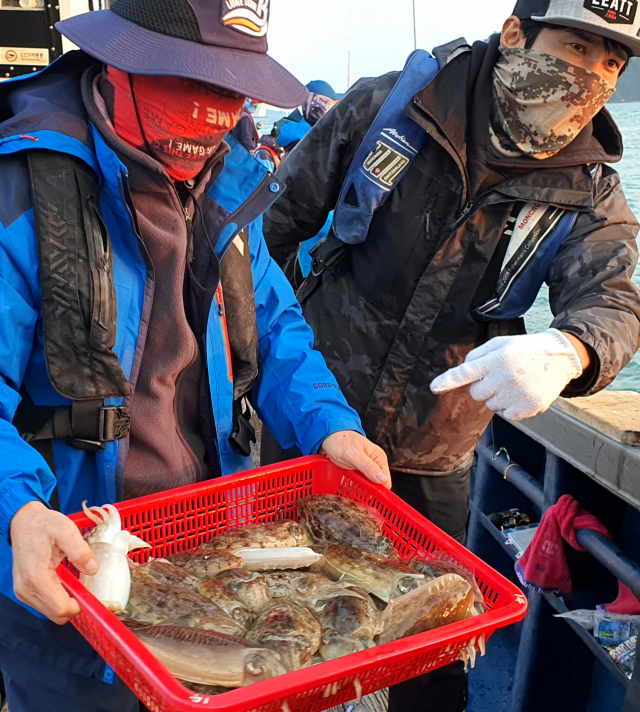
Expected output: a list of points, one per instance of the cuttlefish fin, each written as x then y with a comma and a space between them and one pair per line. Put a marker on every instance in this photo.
137, 543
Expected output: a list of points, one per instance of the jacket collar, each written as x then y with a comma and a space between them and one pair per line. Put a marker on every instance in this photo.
49, 100
45, 110
458, 120
245, 190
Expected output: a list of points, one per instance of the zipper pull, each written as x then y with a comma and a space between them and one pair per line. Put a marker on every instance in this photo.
465, 211
219, 300
187, 220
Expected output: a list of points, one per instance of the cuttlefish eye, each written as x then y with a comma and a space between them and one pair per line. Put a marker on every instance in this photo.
406, 585
253, 668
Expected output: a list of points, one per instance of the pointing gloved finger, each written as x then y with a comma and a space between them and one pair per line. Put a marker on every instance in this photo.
457, 377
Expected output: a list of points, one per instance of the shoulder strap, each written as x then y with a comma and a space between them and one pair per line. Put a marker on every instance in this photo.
388, 149
236, 276
76, 279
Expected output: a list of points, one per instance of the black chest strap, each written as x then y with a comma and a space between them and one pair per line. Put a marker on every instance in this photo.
85, 425
328, 255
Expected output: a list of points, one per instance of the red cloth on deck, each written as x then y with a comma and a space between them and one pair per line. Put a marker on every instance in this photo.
626, 603
543, 566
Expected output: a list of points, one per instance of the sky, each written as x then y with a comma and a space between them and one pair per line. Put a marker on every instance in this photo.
311, 37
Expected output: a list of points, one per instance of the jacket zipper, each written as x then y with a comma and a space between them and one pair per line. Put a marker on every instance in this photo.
104, 255
188, 257
189, 223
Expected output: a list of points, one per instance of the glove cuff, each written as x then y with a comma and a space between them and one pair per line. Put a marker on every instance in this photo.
575, 368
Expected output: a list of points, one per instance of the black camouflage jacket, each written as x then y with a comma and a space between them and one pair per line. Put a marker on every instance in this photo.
402, 314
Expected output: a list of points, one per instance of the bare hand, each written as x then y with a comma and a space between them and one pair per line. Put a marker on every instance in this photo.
41, 539
353, 451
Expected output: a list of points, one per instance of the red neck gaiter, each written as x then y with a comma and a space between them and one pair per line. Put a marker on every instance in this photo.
181, 123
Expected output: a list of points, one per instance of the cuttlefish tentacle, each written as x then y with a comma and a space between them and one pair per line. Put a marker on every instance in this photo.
102, 512
471, 650
89, 513
464, 656
113, 516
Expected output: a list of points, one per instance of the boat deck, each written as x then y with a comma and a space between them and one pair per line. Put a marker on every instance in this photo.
583, 448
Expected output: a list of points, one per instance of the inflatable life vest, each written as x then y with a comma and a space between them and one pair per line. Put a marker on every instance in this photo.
536, 230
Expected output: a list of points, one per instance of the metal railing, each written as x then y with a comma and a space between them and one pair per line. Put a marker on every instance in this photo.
565, 456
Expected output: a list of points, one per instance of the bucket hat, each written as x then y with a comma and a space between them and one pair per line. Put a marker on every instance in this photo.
218, 42
319, 86
618, 20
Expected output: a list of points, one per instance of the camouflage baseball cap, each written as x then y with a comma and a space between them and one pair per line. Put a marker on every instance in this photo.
618, 20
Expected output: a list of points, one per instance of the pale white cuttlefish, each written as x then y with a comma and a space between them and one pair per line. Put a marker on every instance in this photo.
110, 546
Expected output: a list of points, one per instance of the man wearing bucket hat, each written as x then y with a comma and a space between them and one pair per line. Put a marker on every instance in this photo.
140, 312
459, 186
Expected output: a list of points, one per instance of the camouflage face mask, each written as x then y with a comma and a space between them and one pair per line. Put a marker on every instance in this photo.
541, 103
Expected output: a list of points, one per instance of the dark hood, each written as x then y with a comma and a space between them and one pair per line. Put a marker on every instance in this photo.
50, 100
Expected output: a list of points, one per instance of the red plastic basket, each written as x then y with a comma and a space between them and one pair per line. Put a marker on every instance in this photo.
184, 518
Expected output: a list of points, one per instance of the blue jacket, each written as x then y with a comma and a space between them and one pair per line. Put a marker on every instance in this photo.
296, 396
292, 132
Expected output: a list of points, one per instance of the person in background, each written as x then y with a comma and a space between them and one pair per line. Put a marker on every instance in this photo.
245, 131
269, 153
293, 128
287, 133
141, 311
459, 187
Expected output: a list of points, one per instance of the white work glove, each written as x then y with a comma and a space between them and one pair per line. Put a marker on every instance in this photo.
516, 376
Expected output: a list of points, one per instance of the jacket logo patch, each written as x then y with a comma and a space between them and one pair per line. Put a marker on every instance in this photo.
248, 16
619, 12
385, 164
399, 138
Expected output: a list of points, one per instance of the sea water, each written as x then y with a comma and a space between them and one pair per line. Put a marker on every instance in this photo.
539, 317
